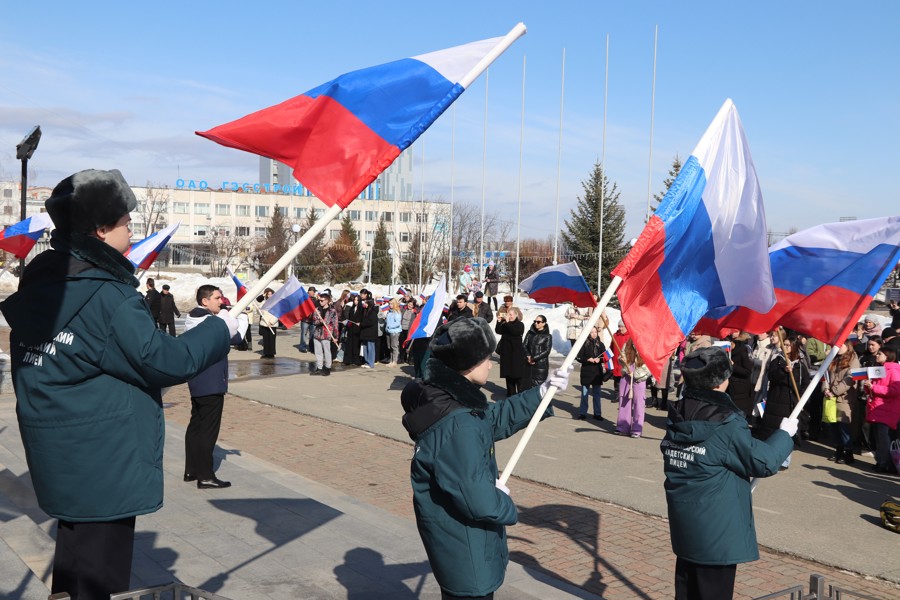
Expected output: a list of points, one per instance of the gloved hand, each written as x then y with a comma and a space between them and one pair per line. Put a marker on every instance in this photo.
559, 379
789, 425
501, 487
243, 325
230, 321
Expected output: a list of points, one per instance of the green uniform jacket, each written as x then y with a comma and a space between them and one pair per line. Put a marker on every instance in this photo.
460, 513
88, 364
709, 457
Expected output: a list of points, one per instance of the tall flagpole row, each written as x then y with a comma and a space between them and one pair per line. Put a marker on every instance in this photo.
562, 96
519, 200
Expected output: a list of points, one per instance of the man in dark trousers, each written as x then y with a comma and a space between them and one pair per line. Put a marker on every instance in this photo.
152, 298
167, 310
709, 458
207, 397
88, 364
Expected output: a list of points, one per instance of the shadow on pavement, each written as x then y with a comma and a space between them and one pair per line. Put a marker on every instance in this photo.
362, 566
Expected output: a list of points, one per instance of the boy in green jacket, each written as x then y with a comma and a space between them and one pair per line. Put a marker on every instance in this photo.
709, 457
461, 509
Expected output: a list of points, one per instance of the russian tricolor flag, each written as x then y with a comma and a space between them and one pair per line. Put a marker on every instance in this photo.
559, 283
143, 253
825, 278
429, 317
290, 304
608, 355
704, 248
340, 135
241, 288
19, 238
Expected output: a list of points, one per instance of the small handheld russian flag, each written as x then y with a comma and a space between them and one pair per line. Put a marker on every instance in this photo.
19, 238
143, 253
241, 288
608, 355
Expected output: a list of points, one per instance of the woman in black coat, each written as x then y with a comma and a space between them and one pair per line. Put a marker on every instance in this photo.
781, 398
538, 344
352, 315
511, 350
740, 384
368, 326
591, 357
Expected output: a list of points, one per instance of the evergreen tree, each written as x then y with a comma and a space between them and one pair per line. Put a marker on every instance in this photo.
408, 272
381, 267
344, 263
582, 234
276, 242
309, 264
673, 173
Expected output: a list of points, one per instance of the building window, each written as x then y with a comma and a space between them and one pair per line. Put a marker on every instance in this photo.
283, 210
371, 215
421, 218
259, 231
404, 236
370, 236
180, 208
242, 210
7, 193
242, 231
262, 211
200, 230
137, 229
354, 215
405, 217
388, 216
223, 210
201, 208
299, 213
319, 212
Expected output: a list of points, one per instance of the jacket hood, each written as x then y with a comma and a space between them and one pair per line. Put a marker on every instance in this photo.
442, 392
197, 314
697, 416
46, 302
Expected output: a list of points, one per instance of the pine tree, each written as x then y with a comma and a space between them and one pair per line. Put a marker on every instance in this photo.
582, 235
408, 273
344, 263
673, 173
309, 264
276, 243
381, 267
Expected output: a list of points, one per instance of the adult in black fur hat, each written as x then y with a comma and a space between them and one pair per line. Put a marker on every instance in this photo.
461, 508
88, 364
708, 453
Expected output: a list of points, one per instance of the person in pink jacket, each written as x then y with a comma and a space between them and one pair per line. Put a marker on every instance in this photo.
883, 409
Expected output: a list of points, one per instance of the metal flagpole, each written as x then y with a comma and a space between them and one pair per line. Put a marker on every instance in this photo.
603, 166
487, 78
452, 189
519, 213
652, 107
562, 95
421, 218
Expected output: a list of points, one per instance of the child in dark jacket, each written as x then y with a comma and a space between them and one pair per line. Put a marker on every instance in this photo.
461, 508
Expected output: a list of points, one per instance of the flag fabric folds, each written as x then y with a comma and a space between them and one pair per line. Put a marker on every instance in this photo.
429, 317
290, 304
143, 253
825, 278
339, 136
241, 288
705, 246
557, 284
19, 238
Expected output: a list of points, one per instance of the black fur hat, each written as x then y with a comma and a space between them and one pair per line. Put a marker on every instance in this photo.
89, 199
706, 368
463, 343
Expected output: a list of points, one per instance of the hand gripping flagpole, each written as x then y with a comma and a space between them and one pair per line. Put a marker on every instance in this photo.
333, 211
567, 363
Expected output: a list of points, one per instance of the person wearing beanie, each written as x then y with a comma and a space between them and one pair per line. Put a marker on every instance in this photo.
461, 508
88, 366
709, 458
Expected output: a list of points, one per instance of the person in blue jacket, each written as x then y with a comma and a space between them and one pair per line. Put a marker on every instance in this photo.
461, 508
709, 458
88, 365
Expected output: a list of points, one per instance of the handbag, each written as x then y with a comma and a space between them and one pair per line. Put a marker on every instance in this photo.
829, 409
895, 454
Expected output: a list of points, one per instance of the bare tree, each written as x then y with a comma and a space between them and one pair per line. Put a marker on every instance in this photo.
224, 249
153, 207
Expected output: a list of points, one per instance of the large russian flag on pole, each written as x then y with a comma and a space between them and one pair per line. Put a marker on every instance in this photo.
825, 278
557, 284
704, 248
290, 304
143, 253
429, 317
19, 238
340, 135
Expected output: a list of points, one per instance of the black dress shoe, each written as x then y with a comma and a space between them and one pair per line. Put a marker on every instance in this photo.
190, 477
214, 483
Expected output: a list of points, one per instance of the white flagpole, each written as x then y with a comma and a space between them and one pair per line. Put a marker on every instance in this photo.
562, 96
652, 107
603, 165
514, 34
570, 358
452, 190
519, 201
421, 219
487, 77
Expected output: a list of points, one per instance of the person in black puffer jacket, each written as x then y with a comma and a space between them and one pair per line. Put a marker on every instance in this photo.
538, 343
591, 357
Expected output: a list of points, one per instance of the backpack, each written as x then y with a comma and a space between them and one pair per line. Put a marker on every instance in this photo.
890, 515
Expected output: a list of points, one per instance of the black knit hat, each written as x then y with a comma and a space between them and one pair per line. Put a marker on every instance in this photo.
89, 199
706, 368
463, 343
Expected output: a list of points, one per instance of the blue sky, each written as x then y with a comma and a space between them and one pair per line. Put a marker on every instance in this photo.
124, 85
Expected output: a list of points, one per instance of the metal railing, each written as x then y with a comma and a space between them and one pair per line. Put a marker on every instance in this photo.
172, 591
816, 592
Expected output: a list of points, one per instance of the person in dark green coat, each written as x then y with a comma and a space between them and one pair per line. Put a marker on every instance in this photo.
461, 508
709, 458
88, 364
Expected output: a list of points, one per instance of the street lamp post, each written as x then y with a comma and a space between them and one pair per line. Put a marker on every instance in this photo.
391, 288
24, 150
296, 229
371, 252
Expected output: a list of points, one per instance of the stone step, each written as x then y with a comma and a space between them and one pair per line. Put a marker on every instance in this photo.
26, 558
